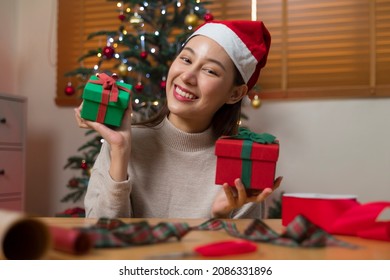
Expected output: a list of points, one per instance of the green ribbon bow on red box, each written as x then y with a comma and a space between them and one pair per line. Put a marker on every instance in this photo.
262, 138
249, 137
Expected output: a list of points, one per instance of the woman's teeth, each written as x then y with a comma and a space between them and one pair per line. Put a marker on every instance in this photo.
185, 94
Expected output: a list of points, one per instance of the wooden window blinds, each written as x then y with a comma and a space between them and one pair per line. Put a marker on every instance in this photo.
323, 48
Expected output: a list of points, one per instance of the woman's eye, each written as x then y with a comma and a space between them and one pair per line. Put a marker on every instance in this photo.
211, 72
185, 59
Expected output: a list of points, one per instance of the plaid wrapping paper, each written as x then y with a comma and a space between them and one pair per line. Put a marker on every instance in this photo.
300, 232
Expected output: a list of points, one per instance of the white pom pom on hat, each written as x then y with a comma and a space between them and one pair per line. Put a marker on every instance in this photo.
246, 42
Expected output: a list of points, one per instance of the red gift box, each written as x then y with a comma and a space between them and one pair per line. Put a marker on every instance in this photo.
256, 168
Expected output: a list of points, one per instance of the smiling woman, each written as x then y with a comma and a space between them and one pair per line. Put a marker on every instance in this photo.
167, 169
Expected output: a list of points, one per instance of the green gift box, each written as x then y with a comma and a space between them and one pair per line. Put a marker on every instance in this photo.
105, 100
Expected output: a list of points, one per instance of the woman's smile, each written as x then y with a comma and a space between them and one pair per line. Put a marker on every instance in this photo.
183, 95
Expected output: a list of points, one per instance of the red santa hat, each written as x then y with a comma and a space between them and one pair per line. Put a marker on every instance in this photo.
246, 42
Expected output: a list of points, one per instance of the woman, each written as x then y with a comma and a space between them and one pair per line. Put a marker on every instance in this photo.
166, 168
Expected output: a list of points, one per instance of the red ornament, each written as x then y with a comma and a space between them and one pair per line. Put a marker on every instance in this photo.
69, 89
144, 54
84, 165
122, 17
163, 84
139, 87
108, 52
73, 183
208, 17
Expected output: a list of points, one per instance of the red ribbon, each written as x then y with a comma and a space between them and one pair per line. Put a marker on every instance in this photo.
109, 94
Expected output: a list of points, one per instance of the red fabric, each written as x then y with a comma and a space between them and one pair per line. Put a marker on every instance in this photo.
322, 212
229, 163
361, 221
339, 216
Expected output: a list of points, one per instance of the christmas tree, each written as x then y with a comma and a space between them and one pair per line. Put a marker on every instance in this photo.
139, 52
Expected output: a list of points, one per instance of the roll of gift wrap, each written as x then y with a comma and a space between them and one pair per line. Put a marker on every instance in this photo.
70, 240
321, 209
22, 237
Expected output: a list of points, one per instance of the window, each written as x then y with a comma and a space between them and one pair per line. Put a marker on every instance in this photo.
323, 48
326, 48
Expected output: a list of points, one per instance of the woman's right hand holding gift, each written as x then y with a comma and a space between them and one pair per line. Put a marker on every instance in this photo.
119, 140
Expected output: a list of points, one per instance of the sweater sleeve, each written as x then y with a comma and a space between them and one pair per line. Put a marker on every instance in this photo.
249, 211
104, 196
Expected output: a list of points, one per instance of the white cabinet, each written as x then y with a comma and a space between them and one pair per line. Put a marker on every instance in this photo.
13, 111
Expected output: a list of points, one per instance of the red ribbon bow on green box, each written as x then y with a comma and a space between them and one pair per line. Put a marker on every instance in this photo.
109, 94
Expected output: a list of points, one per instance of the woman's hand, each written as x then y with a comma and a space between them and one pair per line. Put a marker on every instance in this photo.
232, 198
119, 140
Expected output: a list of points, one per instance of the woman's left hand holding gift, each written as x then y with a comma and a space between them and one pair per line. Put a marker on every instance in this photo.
231, 198
119, 140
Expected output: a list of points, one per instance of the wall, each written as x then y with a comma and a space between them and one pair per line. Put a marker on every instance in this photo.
52, 133
330, 146
327, 146
9, 23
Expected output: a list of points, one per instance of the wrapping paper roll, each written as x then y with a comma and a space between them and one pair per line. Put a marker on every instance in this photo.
321, 209
22, 237
70, 240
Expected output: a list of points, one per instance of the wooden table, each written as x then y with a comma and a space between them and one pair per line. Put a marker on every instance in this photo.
368, 249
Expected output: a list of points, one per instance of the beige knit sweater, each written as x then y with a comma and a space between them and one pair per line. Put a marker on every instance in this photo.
170, 175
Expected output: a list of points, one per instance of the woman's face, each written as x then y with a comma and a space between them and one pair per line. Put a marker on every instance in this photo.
200, 81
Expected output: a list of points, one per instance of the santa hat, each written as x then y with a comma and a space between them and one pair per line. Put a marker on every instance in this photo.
246, 42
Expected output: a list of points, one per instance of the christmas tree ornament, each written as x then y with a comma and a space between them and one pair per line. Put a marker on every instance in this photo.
69, 89
84, 164
136, 20
191, 20
108, 52
121, 17
208, 17
144, 54
163, 83
122, 69
73, 183
256, 101
139, 87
